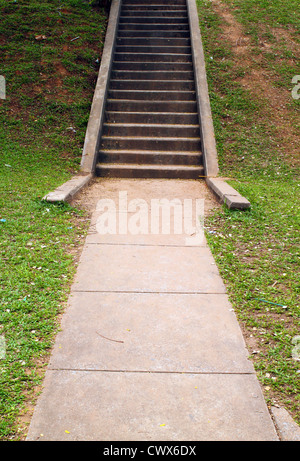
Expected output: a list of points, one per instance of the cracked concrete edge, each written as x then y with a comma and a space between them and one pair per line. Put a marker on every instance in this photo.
68, 190
224, 192
288, 430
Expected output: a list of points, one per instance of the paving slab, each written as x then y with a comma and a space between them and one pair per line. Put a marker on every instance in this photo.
169, 226
91, 405
147, 269
150, 332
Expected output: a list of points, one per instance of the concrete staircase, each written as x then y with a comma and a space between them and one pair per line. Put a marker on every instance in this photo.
151, 127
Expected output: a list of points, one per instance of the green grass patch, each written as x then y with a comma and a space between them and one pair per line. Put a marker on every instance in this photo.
257, 132
273, 13
50, 53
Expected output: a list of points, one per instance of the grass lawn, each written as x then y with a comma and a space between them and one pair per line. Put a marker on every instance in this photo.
50, 53
252, 55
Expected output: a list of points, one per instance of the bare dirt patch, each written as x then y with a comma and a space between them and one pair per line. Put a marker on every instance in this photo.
144, 189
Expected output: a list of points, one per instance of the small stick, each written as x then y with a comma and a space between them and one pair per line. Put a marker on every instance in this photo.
109, 339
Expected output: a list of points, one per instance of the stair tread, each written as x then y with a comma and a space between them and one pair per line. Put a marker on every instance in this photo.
153, 91
154, 72
148, 100
148, 125
149, 81
147, 152
160, 138
149, 166
151, 52
152, 113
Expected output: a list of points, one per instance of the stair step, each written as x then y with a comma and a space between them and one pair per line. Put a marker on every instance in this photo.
153, 41
154, 7
157, 33
152, 85
154, 2
121, 105
153, 12
161, 27
119, 170
155, 75
149, 143
150, 157
152, 117
153, 20
147, 129
150, 66
153, 49
148, 95
153, 57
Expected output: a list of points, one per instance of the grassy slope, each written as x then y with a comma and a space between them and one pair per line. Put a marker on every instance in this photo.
252, 53
50, 83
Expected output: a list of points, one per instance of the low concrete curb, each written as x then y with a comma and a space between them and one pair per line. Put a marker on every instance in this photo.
69, 189
288, 430
227, 194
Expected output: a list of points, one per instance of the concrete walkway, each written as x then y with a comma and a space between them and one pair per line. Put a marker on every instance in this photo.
150, 348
